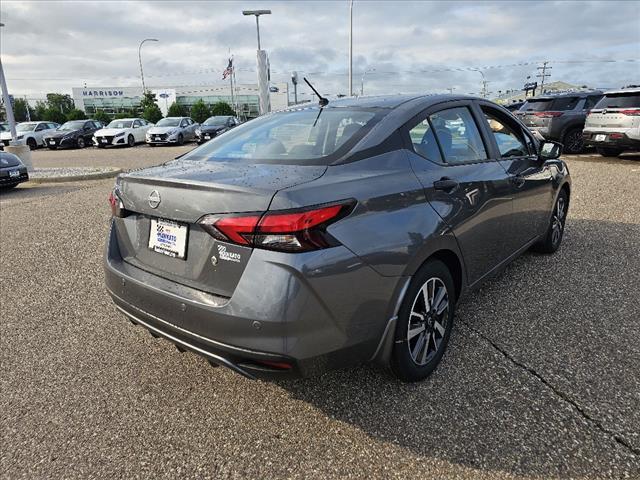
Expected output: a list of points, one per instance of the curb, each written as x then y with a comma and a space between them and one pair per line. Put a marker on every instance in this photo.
76, 178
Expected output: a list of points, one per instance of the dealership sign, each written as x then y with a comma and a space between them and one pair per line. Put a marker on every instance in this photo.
102, 93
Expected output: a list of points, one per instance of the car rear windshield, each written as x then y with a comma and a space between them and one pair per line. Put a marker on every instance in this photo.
550, 104
120, 124
620, 100
308, 136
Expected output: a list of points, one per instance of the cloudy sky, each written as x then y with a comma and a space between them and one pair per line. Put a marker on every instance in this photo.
403, 46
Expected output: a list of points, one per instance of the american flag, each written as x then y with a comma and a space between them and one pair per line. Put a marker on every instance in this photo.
229, 70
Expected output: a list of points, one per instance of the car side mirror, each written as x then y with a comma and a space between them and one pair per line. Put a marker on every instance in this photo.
550, 150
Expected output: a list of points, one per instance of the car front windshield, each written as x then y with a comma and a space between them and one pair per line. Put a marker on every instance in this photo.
120, 124
215, 121
168, 122
26, 127
306, 136
70, 126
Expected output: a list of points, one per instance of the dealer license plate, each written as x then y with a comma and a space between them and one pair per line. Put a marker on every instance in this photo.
158, 139
14, 173
168, 237
52, 142
104, 140
600, 138
207, 137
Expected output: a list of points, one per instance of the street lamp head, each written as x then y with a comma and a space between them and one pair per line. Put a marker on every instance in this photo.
257, 13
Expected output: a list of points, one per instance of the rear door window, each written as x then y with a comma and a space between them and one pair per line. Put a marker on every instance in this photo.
424, 141
458, 135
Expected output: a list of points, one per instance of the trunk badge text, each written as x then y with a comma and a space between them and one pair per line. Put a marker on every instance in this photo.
154, 199
214, 261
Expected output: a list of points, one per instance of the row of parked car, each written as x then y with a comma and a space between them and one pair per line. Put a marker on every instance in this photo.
608, 121
121, 132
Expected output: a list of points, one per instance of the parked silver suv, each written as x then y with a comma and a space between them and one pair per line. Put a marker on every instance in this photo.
613, 126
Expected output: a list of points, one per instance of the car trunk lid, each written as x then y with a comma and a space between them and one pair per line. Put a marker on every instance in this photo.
183, 192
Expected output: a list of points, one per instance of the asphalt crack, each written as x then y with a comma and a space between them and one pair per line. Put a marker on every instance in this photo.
619, 439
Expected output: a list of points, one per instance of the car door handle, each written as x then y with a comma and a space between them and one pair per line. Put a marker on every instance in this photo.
445, 184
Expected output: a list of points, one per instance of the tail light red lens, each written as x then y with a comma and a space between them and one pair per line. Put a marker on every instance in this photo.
290, 231
117, 208
548, 114
634, 112
616, 136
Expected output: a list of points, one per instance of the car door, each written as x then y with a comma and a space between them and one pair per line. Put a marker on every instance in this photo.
192, 128
530, 178
137, 130
39, 132
87, 132
467, 188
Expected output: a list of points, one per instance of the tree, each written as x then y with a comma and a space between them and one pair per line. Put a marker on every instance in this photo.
200, 111
222, 108
101, 116
38, 112
150, 110
126, 114
176, 110
20, 109
76, 114
60, 101
54, 115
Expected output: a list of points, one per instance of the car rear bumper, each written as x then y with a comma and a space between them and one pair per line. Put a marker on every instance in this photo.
610, 139
288, 317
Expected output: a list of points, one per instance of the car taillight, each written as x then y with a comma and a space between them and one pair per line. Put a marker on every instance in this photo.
633, 112
290, 231
548, 114
117, 208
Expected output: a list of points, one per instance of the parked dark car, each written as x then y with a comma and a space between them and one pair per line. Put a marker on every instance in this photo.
512, 107
323, 237
560, 117
214, 126
72, 134
12, 171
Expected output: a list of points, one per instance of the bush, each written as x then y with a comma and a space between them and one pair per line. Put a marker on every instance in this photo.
76, 114
102, 117
123, 115
176, 110
222, 108
53, 114
152, 113
200, 111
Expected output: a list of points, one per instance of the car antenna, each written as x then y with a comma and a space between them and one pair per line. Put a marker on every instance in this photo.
321, 100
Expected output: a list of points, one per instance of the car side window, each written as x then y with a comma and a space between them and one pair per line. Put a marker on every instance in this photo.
52, 125
137, 123
183, 123
564, 104
507, 135
41, 126
424, 141
458, 135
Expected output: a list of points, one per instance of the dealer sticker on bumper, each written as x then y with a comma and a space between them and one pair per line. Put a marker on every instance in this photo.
600, 138
168, 237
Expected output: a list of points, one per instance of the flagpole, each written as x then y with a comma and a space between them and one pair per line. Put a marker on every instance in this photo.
231, 79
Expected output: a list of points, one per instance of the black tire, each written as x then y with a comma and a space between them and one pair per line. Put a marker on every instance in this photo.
434, 335
609, 152
551, 242
131, 141
80, 143
32, 144
180, 140
572, 141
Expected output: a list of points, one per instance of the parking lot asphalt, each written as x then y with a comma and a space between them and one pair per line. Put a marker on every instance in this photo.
541, 379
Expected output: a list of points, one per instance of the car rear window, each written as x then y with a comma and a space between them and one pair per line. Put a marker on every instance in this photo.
550, 104
620, 100
308, 136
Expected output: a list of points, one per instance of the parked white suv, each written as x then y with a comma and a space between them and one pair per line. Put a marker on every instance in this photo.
613, 125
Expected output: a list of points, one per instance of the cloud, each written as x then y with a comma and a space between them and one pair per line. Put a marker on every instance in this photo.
404, 46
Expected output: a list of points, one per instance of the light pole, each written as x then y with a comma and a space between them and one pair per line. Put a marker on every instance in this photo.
362, 79
484, 83
263, 81
140, 59
350, 48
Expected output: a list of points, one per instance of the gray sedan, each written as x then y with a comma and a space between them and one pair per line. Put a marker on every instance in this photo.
331, 235
172, 130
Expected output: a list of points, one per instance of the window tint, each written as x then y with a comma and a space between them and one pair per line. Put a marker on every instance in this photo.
591, 101
620, 100
184, 123
424, 141
458, 135
137, 123
40, 127
550, 104
565, 103
508, 136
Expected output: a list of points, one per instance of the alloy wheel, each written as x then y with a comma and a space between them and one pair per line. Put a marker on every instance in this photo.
574, 142
557, 224
80, 142
428, 321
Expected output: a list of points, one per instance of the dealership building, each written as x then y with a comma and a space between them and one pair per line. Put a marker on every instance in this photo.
114, 100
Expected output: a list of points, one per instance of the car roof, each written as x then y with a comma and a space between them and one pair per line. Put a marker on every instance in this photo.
581, 93
384, 101
126, 119
623, 90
